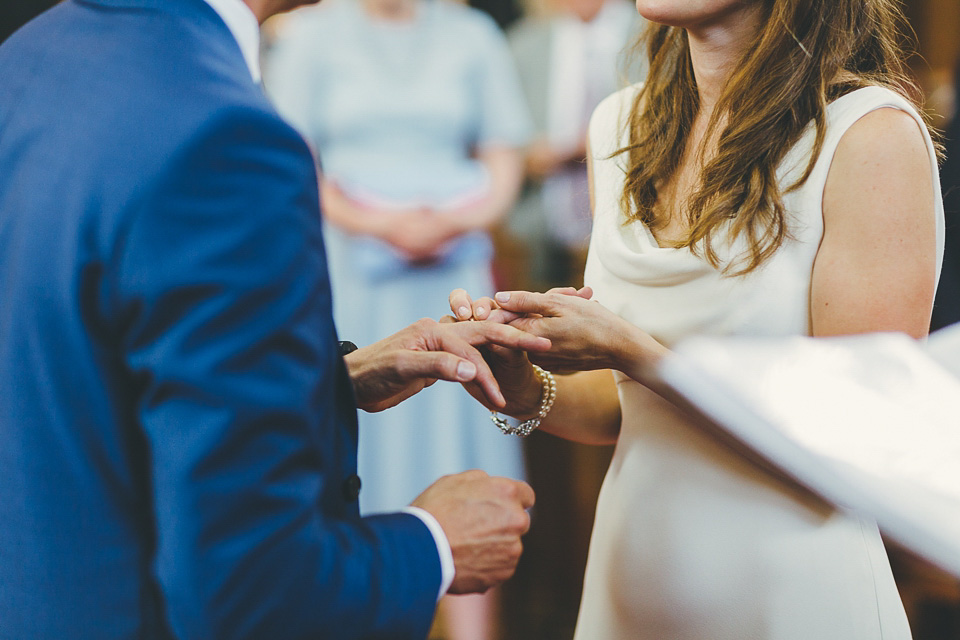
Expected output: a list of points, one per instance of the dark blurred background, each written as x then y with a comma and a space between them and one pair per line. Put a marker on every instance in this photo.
14, 13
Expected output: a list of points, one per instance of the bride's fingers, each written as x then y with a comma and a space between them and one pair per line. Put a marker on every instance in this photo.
526, 302
482, 307
461, 304
567, 291
489, 333
584, 292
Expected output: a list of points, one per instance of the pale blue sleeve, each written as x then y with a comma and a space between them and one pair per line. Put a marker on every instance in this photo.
504, 118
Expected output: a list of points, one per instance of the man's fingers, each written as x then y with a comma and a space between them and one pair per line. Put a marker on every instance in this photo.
525, 494
480, 333
456, 362
442, 365
452, 342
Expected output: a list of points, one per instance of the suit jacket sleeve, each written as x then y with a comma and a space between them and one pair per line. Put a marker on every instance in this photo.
227, 330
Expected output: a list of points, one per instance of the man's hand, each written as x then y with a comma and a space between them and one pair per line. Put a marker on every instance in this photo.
483, 519
395, 368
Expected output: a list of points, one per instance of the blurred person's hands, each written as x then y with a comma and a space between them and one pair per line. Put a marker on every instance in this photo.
543, 159
391, 370
420, 234
483, 518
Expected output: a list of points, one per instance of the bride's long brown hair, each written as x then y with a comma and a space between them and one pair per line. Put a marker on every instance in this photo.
806, 54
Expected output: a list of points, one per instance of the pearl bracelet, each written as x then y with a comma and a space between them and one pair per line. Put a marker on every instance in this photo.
526, 427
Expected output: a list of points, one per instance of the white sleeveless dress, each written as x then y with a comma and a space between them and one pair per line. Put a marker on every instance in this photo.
690, 542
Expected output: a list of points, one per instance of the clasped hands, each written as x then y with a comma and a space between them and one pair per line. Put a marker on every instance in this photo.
584, 336
488, 346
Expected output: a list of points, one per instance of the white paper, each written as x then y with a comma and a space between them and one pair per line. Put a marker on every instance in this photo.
871, 423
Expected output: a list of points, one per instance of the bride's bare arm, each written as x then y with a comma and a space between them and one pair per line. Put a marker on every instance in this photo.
876, 267
587, 408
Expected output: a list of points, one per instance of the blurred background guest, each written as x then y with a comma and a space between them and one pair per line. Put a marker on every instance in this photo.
568, 61
417, 115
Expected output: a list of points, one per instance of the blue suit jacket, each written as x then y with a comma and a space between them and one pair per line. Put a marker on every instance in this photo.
176, 425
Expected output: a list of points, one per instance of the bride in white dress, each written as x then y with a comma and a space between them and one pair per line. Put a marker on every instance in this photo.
777, 182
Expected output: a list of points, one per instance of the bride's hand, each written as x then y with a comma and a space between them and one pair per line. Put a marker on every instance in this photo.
464, 307
512, 369
584, 335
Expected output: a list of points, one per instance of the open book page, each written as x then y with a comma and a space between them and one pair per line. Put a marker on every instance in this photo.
870, 423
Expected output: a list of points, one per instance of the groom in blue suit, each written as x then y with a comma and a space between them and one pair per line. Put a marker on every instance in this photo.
177, 421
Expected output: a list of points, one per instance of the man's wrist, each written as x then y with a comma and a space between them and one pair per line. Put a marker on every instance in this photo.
447, 568
358, 370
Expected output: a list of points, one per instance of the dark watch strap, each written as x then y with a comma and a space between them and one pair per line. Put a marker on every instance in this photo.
347, 347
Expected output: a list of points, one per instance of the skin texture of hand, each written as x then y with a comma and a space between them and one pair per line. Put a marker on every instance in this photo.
483, 518
585, 335
587, 406
520, 386
391, 370
512, 368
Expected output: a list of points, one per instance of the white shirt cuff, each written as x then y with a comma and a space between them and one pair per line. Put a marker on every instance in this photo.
447, 570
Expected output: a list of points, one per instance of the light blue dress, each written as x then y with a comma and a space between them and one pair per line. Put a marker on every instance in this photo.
395, 111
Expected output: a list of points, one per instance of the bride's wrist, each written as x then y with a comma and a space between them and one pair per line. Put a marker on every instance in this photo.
637, 354
526, 404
